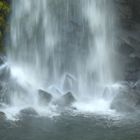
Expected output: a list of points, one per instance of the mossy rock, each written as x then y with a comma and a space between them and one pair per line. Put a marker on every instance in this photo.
4, 14
4, 6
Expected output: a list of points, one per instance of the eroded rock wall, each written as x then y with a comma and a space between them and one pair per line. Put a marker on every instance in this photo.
129, 36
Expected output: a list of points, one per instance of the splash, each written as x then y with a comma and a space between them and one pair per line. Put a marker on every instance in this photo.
70, 48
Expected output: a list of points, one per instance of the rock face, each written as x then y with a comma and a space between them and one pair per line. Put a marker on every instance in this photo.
128, 16
128, 100
128, 12
66, 100
44, 97
124, 12
4, 72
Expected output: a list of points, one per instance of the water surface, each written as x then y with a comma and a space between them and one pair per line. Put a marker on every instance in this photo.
73, 127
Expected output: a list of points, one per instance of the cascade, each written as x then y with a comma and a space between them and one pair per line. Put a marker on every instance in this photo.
62, 46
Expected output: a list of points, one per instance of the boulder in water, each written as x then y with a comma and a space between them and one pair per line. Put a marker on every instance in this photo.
44, 97
66, 100
2, 116
126, 101
28, 112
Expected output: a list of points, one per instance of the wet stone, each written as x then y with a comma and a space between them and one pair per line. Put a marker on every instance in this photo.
44, 97
2, 116
66, 100
28, 112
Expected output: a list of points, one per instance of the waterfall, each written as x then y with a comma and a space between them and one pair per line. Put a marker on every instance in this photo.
97, 73
98, 66
33, 39
62, 45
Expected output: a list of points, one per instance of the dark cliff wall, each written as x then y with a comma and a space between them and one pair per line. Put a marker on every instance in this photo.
136, 10
129, 12
129, 19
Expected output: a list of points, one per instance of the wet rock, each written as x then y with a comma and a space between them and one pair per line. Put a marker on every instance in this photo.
44, 97
127, 100
4, 72
125, 12
66, 100
28, 112
128, 12
133, 70
137, 85
2, 60
69, 82
2, 116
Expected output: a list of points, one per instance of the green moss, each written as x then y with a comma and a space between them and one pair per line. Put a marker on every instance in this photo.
4, 13
4, 6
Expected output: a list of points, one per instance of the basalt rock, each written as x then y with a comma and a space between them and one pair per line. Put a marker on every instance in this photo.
44, 97
28, 112
66, 100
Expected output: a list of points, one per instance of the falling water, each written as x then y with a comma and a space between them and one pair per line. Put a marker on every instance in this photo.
60, 46
97, 74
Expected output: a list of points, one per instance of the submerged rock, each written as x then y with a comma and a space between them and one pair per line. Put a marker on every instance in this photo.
44, 97
2, 116
66, 100
28, 112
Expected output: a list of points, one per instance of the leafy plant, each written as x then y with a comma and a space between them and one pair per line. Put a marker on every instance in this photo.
4, 13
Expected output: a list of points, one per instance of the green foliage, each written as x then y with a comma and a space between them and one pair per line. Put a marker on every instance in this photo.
4, 6
4, 13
